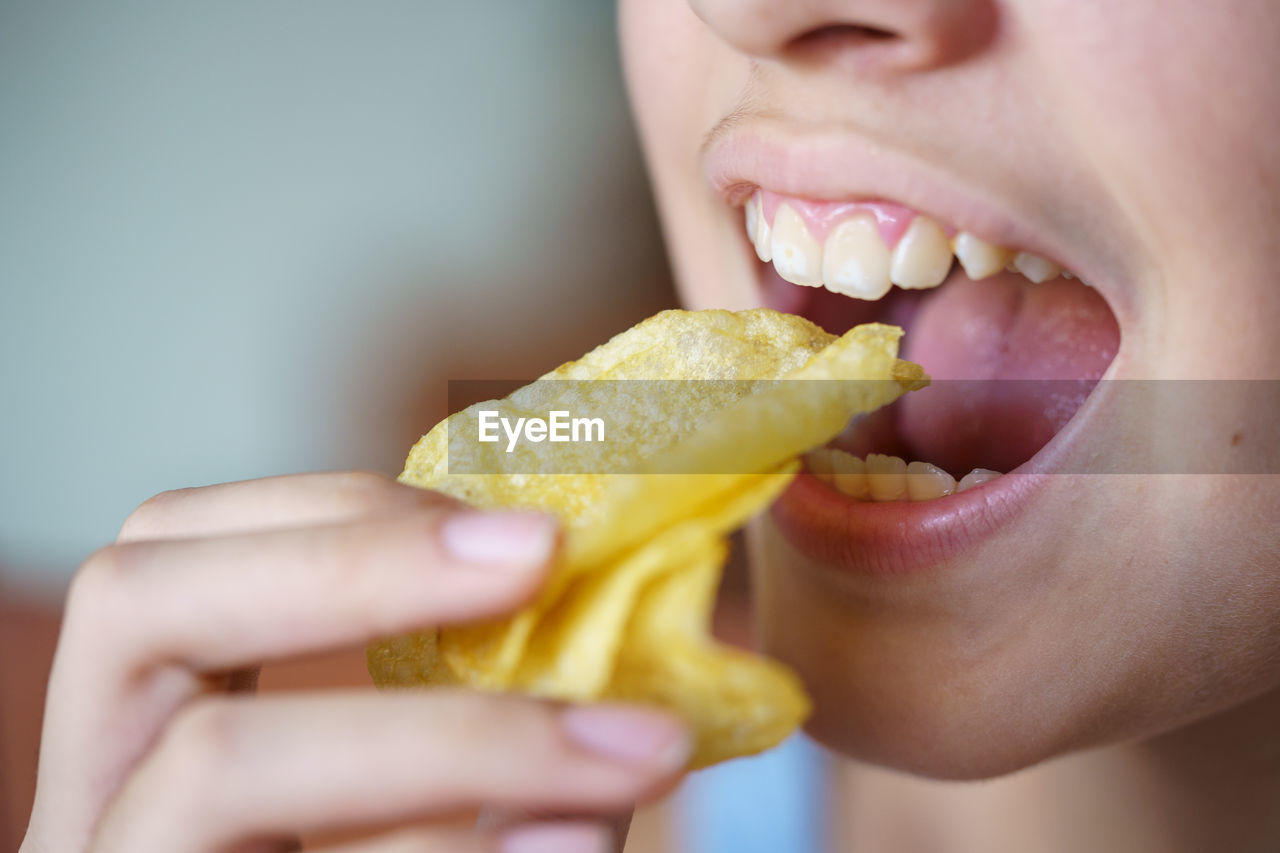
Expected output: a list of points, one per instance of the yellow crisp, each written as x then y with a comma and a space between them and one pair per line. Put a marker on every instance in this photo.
624, 614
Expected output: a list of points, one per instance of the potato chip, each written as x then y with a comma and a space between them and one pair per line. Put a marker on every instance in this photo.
707, 412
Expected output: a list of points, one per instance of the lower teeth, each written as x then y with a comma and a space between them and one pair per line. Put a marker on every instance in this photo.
883, 478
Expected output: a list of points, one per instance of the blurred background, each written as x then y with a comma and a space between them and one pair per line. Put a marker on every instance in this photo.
242, 239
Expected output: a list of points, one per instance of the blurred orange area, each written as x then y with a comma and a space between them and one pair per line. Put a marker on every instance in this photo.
28, 633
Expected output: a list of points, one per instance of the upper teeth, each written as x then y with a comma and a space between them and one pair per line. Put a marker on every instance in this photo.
1035, 267
758, 229
796, 255
978, 257
923, 255
854, 259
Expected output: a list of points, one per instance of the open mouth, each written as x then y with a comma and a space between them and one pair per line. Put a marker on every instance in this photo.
1014, 342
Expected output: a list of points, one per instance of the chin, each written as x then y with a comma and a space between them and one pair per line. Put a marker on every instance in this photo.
902, 684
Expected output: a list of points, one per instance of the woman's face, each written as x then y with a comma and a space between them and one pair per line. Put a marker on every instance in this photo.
1123, 577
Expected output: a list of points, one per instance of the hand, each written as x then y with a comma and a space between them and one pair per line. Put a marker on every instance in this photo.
148, 746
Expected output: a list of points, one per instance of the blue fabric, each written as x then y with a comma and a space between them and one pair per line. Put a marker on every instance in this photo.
770, 803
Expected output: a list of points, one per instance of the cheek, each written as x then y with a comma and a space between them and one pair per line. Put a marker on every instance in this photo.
1003, 663
1178, 111
909, 685
664, 48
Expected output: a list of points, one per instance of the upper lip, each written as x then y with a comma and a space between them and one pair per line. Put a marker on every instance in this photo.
833, 165
824, 163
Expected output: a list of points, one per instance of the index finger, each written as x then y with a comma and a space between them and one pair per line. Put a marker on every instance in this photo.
618, 825
289, 500
218, 603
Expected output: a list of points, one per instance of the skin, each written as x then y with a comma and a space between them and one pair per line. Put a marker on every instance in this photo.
1158, 628
1134, 669
152, 743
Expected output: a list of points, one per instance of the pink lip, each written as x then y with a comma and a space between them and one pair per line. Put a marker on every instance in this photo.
911, 538
906, 538
836, 166
899, 538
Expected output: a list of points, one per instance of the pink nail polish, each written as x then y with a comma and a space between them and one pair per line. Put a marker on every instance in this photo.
557, 838
524, 538
634, 735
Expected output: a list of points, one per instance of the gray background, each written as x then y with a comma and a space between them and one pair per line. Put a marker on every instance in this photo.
247, 238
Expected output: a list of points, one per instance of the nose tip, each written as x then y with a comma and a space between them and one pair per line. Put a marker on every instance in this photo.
883, 35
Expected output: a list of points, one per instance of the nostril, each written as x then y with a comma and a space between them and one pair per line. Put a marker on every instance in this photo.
860, 37
900, 37
845, 35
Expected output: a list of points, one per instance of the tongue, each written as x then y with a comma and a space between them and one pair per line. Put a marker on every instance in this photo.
1026, 356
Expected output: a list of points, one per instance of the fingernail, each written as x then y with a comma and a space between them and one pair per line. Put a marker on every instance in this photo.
499, 537
557, 838
628, 734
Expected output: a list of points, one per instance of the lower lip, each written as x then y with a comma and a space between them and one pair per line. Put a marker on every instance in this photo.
898, 538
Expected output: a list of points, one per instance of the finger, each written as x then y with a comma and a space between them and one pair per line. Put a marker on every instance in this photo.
617, 826
148, 622
576, 837
216, 604
229, 770
293, 500
243, 680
